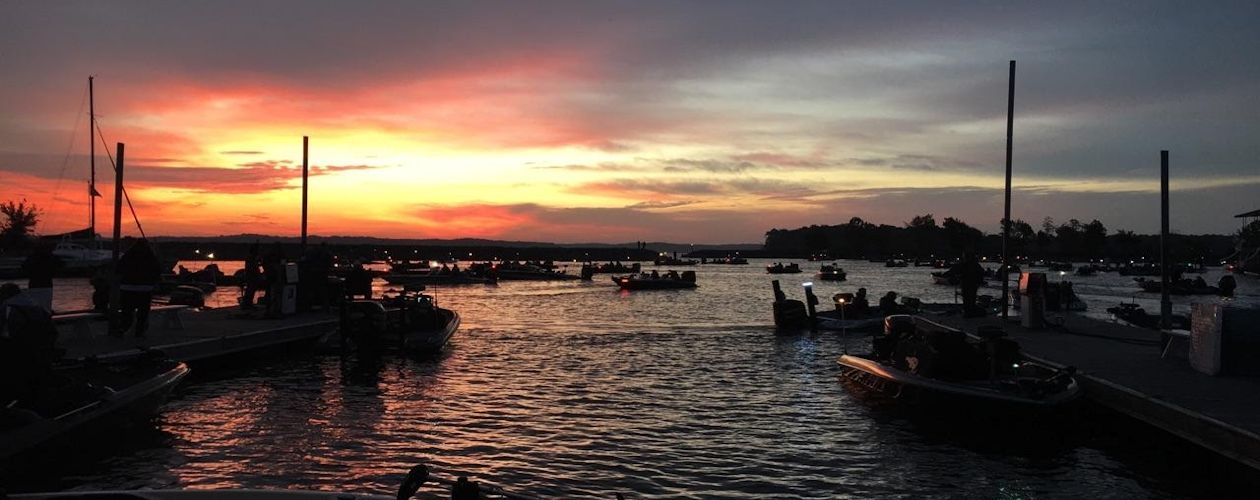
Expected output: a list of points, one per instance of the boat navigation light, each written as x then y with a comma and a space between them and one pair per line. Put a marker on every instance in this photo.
840, 301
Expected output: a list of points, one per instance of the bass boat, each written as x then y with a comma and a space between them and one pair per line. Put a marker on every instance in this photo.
410, 320
74, 401
668, 281
916, 360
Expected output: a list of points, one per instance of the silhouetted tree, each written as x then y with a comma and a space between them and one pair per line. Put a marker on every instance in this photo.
1094, 238
1022, 237
961, 237
1127, 243
18, 223
1068, 237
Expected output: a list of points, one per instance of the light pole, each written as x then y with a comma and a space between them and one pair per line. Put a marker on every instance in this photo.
844, 327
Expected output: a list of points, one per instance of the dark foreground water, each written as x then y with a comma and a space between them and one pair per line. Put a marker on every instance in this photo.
576, 389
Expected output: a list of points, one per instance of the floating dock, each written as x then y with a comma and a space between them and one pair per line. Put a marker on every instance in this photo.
1125, 368
192, 336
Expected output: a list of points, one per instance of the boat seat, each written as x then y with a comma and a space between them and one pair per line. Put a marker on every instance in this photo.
80, 322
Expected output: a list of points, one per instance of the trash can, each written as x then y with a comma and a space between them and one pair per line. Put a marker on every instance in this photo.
1032, 296
1223, 339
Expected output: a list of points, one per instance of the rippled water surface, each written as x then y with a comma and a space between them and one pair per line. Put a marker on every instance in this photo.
574, 389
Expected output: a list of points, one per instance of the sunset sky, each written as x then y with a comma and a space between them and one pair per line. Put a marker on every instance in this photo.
692, 122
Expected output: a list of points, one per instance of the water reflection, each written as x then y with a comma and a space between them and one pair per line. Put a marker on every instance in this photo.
576, 389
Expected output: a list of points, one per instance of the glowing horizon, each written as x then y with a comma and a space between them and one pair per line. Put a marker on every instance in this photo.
526, 131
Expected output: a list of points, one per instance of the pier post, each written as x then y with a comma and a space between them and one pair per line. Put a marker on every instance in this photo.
114, 297
1006, 218
305, 174
1165, 304
810, 301
118, 199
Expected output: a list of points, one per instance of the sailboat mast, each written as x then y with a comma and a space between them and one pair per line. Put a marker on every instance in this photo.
92, 157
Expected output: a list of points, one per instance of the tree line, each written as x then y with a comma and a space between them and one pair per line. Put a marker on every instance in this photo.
922, 237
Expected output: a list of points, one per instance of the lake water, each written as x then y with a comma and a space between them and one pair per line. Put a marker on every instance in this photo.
577, 389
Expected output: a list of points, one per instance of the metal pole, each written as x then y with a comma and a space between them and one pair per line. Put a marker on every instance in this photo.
1165, 304
1006, 217
118, 197
305, 173
92, 158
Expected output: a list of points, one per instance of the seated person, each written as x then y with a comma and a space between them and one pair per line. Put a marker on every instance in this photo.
888, 304
861, 306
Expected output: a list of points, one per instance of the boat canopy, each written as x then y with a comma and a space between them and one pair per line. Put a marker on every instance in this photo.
78, 234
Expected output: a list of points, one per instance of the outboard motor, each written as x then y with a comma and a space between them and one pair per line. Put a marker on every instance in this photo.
689, 276
790, 314
896, 328
1227, 284
363, 321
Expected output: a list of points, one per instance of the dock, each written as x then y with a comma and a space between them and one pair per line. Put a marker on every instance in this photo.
191, 335
1125, 368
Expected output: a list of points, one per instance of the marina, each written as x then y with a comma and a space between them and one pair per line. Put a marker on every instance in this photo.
502, 347
351, 252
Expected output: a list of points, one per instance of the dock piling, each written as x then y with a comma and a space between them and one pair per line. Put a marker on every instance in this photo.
1165, 304
810, 301
305, 174
1006, 218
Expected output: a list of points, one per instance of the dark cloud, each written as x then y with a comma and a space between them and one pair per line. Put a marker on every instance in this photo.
644, 205
714, 166
632, 188
926, 163
599, 167
254, 177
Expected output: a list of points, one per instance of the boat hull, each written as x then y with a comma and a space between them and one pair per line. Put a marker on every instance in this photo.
422, 279
430, 342
652, 284
135, 403
887, 381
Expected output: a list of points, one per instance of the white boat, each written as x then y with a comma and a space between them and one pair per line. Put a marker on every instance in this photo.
77, 256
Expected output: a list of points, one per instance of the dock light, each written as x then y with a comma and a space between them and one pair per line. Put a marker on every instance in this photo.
840, 300
210, 256
198, 252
